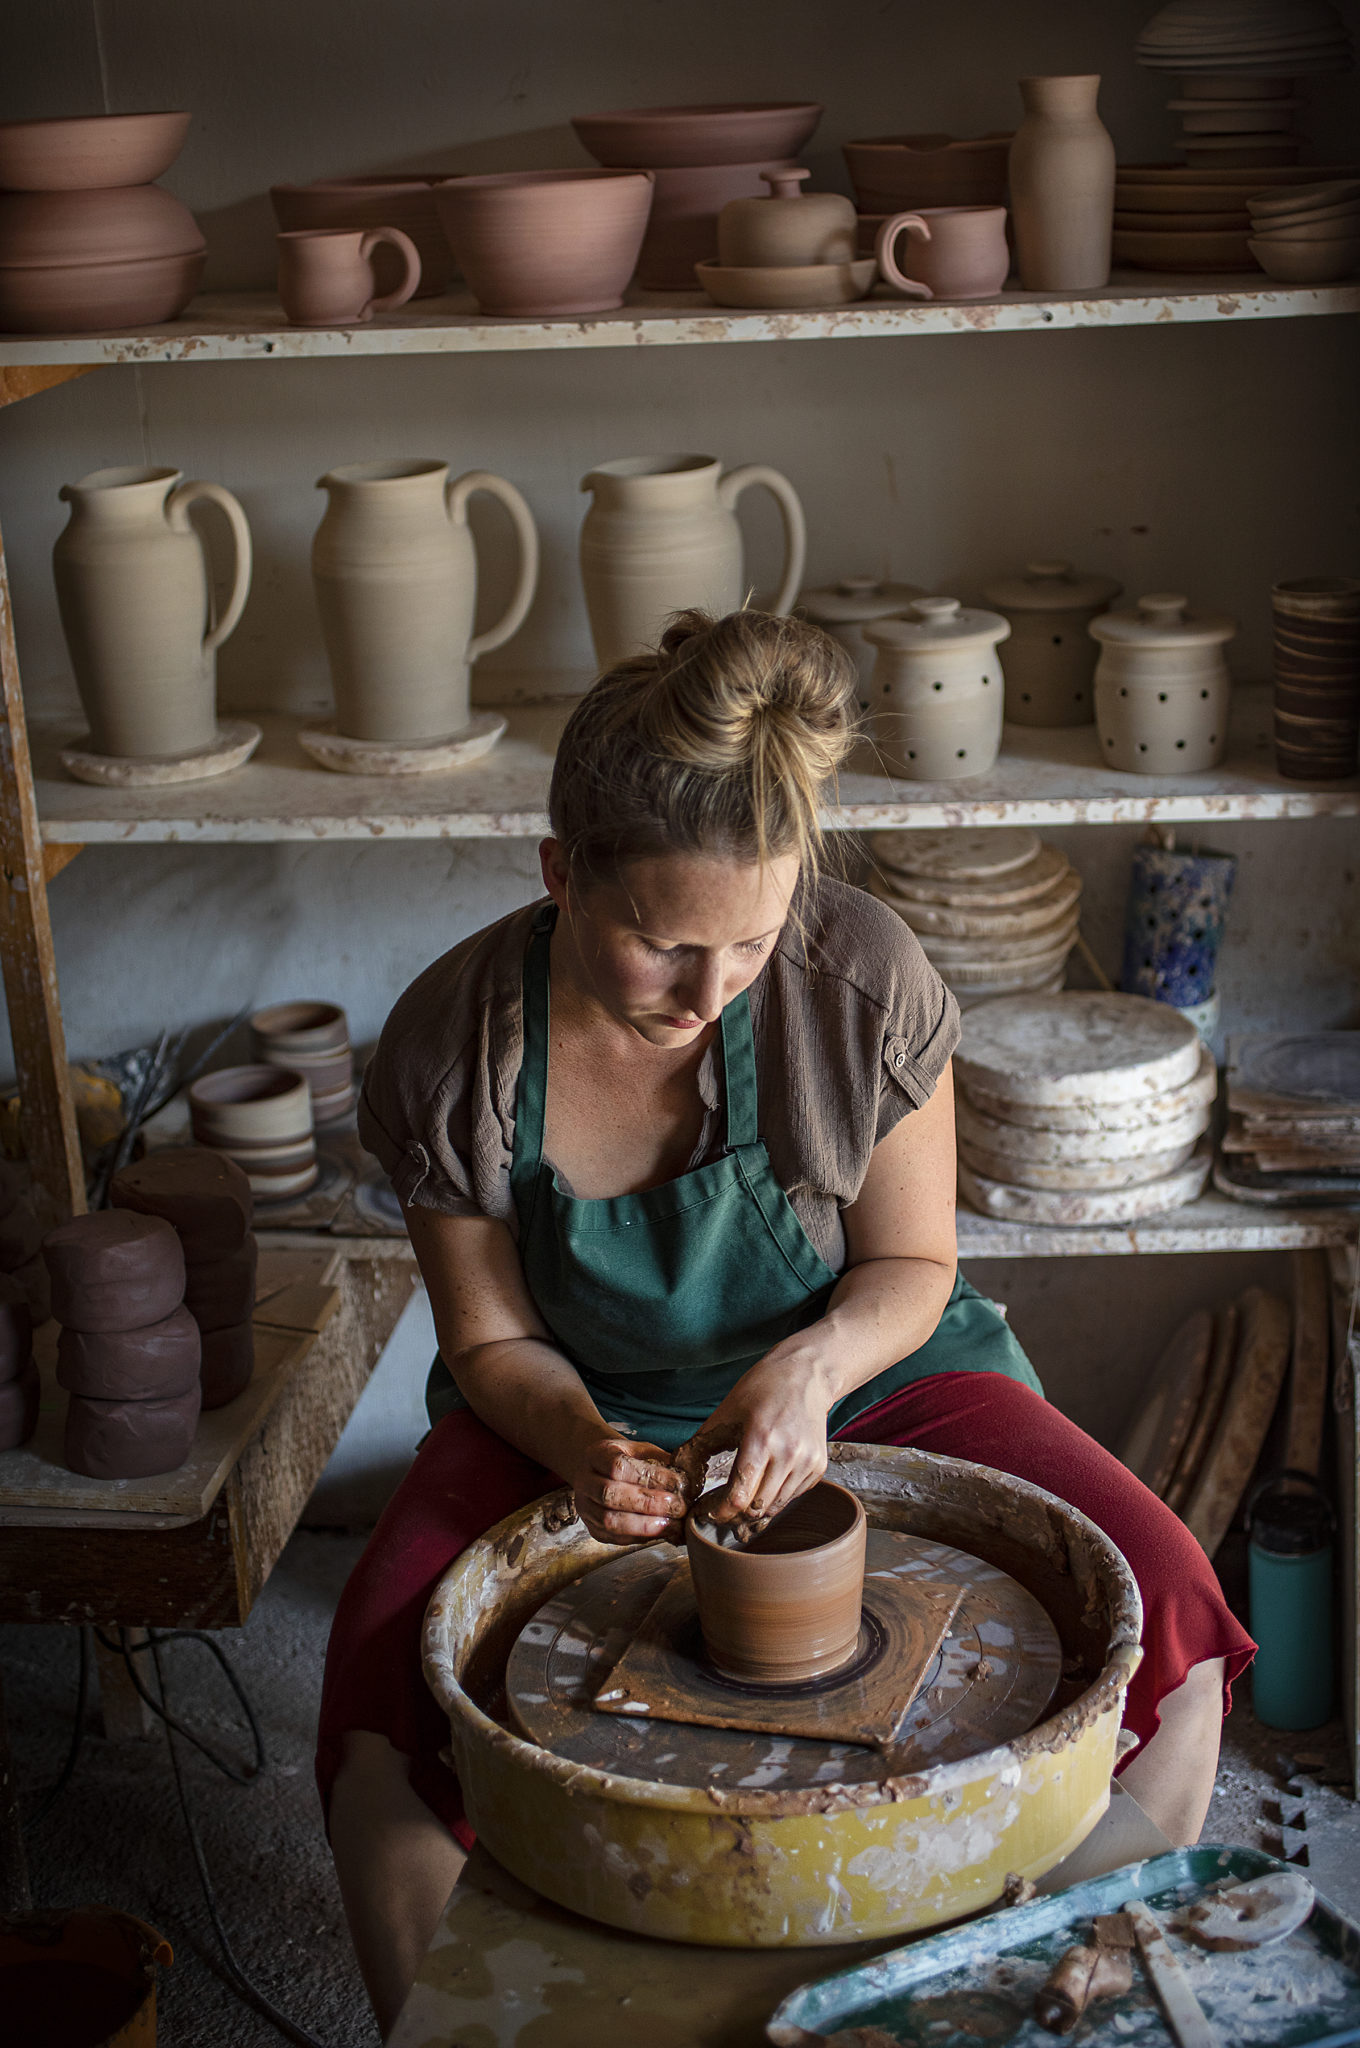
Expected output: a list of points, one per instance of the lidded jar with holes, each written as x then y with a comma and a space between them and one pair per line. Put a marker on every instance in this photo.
843, 609
1049, 659
937, 695
1162, 687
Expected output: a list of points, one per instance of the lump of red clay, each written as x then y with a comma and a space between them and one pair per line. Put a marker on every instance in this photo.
19, 1399
152, 1364
16, 1330
114, 1271
203, 1194
130, 1439
221, 1294
228, 1362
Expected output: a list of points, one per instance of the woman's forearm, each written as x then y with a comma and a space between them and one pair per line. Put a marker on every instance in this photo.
531, 1395
879, 1312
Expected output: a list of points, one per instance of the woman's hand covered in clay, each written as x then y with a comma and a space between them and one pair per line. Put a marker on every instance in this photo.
628, 1492
776, 1416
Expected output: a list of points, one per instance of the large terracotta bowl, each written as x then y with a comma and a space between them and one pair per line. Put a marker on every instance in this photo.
536, 243
95, 298
663, 138
89, 153
406, 203
892, 173
127, 225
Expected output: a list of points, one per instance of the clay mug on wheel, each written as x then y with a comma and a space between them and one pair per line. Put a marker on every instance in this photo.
954, 252
137, 609
661, 536
327, 279
786, 1606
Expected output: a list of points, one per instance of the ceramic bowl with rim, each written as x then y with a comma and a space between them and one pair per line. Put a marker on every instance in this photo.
94, 298
534, 244
668, 138
1291, 261
896, 173
393, 202
787, 286
88, 152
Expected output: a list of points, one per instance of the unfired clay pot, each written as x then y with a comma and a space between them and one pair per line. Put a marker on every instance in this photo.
788, 226
1062, 187
682, 227
262, 1118
677, 137
313, 1040
936, 695
950, 252
845, 608
787, 1605
1162, 687
85, 153
532, 244
1050, 659
893, 172
136, 609
327, 278
78, 262
405, 203
661, 535
396, 586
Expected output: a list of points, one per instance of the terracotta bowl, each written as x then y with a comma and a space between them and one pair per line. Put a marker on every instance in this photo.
257, 1105
89, 153
127, 225
1338, 226
405, 203
662, 138
682, 228
892, 173
309, 1028
532, 244
1304, 199
91, 298
785, 1606
1300, 262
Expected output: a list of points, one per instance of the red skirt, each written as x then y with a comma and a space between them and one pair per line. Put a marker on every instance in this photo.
465, 1479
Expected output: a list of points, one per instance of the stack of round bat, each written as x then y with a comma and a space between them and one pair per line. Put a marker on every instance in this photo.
995, 911
1081, 1109
19, 1388
128, 1351
205, 1198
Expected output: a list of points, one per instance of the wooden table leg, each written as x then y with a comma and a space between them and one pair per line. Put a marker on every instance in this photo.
14, 1893
123, 1711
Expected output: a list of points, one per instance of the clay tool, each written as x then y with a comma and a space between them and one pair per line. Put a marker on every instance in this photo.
1077, 1979
1249, 1915
1184, 2013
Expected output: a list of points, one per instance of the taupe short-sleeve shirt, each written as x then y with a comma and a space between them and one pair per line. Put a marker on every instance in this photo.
852, 1025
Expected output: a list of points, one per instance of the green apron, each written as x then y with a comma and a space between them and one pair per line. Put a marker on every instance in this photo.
707, 1272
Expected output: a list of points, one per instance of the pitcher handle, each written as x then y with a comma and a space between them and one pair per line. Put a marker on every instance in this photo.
456, 496
791, 514
177, 508
886, 242
410, 277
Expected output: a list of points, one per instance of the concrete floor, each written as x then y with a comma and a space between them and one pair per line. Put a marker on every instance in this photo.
116, 1835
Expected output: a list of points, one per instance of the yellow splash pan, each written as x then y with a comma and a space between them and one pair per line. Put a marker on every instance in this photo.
797, 1868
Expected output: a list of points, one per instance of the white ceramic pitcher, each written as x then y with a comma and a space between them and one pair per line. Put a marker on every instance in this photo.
136, 609
396, 586
661, 535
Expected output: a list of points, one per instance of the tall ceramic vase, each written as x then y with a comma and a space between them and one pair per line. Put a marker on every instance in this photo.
1062, 187
396, 586
661, 535
136, 609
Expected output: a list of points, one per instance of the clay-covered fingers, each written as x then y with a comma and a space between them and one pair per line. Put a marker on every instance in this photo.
766, 1481
631, 1494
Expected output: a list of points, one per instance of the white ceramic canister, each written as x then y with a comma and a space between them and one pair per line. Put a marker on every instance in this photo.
395, 573
937, 693
844, 608
136, 608
661, 536
1050, 659
1162, 687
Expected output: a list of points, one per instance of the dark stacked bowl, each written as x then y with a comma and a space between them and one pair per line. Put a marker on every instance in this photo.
1317, 678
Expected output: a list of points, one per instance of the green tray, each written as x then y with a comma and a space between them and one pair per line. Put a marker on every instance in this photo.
976, 1983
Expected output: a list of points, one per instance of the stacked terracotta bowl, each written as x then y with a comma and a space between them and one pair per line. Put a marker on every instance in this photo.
1179, 217
406, 203
311, 1039
87, 240
995, 911
906, 173
1081, 1109
698, 158
261, 1117
1308, 235
1317, 677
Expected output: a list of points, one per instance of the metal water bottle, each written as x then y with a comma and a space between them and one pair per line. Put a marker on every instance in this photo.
1290, 1562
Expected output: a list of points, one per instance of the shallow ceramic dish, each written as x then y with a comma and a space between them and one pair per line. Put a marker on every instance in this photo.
1305, 199
89, 152
1228, 117
1234, 223
1225, 151
405, 203
533, 244
1173, 202
1291, 262
1337, 227
93, 298
891, 173
1176, 251
1186, 175
787, 288
664, 138
126, 225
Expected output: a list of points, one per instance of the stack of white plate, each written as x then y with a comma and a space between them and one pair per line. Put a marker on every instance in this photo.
1081, 1109
995, 911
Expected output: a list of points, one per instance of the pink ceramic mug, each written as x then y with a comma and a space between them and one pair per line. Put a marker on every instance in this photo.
955, 252
326, 276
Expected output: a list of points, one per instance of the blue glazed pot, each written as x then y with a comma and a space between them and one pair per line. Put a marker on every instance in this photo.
1173, 925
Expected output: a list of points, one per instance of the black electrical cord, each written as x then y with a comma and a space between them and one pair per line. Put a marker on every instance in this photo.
128, 1650
51, 1797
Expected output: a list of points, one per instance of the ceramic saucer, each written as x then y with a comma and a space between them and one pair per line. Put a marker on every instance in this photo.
236, 741
402, 757
786, 287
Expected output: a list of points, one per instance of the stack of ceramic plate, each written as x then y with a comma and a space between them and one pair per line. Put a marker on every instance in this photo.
1081, 1109
995, 911
1244, 39
1181, 217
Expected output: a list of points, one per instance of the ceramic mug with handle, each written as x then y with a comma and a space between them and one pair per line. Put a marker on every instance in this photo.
326, 275
951, 252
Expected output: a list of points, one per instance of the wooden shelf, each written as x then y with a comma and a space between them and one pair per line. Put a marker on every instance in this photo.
1042, 778
1212, 1224
248, 326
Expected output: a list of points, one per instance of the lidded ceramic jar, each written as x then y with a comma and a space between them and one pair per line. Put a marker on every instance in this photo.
937, 693
1049, 659
845, 607
788, 227
1162, 687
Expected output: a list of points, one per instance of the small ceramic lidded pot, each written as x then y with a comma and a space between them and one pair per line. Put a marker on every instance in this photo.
844, 608
788, 227
937, 696
1162, 687
787, 1605
1049, 659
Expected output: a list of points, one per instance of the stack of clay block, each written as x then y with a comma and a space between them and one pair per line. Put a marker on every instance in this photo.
205, 1197
21, 1235
18, 1373
128, 1352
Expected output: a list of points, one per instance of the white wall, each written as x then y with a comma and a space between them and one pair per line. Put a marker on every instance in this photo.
1212, 459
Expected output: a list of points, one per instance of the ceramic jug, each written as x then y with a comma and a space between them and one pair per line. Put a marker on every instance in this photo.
396, 586
137, 609
661, 535
1062, 187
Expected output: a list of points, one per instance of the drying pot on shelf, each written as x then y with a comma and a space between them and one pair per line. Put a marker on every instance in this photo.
936, 696
845, 608
1050, 659
1162, 687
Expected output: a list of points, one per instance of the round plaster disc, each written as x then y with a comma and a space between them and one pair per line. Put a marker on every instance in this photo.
235, 742
1170, 1401
1017, 1143
1080, 1176
1051, 985
991, 1680
948, 921
1017, 885
1093, 1118
984, 971
1004, 952
1077, 1048
958, 855
348, 756
1110, 1205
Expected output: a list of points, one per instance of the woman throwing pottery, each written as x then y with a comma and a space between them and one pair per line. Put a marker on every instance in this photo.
675, 1146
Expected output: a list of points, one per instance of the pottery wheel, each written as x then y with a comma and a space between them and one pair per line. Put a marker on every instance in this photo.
990, 1681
